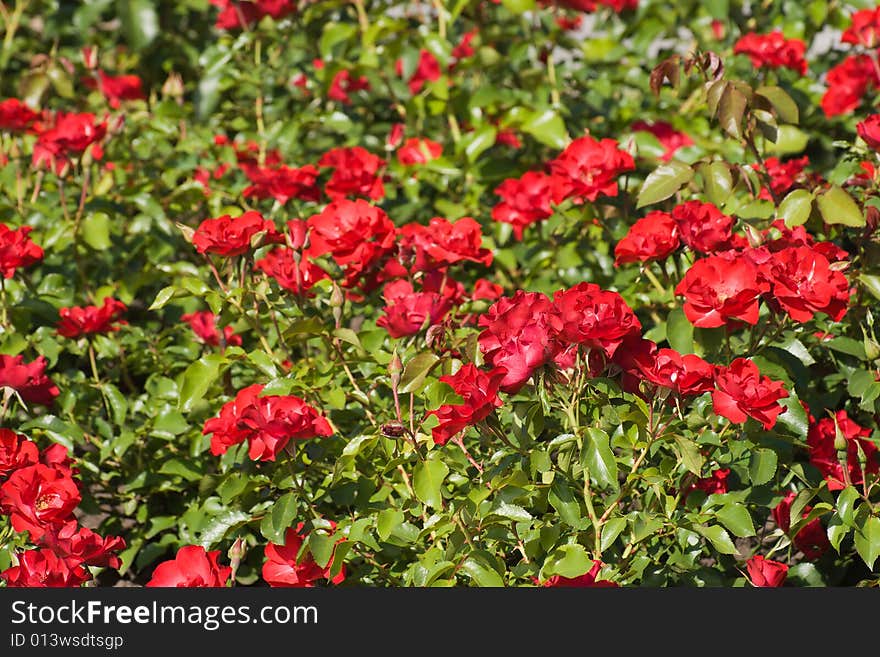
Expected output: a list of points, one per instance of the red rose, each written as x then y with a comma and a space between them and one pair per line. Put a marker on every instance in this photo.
587, 580
16, 451
284, 567
236, 14
427, 70
848, 82
714, 484
344, 84
719, 288
407, 311
283, 183
593, 317
686, 375
117, 88
518, 336
83, 546
484, 289
29, 380
17, 250
355, 173
443, 243
358, 236
15, 116
864, 29
670, 138
192, 567
87, 320
803, 283
419, 151
742, 392
71, 134
783, 175
204, 325
280, 264
524, 201
821, 440
464, 49
231, 236
765, 572
773, 50
479, 393
703, 227
653, 237
811, 538
395, 136
587, 169
869, 131
38, 497
42, 569
224, 427
267, 423
592, 5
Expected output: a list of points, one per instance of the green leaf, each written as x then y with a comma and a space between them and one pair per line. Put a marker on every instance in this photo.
846, 505
838, 207
181, 469
794, 418
795, 208
610, 531
140, 22
717, 181
164, 296
96, 231
219, 526
321, 546
547, 127
387, 521
117, 401
478, 141
664, 181
786, 108
518, 6
731, 109
334, 33
867, 540
679, 331
737, 519
428, 479
282, 516
197, 379
690, 454
719, 538
599, 458
762, 466
563, 500
871, 283
510, 511
479, 567
569, 561
416, 370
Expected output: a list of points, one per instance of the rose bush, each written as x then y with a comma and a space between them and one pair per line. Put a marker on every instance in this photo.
517, 293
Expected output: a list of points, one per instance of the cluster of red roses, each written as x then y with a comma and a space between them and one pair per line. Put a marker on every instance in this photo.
595, 329
849, 81
586, 169
39, 492
240, 14
792, 272
285, 566
773, 50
